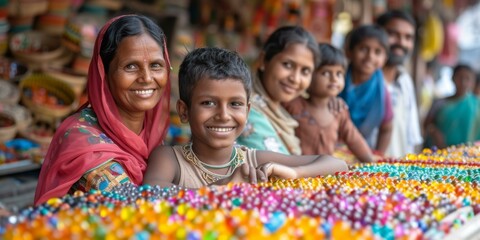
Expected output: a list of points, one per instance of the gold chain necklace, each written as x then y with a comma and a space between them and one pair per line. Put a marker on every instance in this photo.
221, 166
208, 176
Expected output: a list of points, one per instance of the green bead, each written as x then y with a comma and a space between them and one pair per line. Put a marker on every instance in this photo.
211, 235
100, 233
468, 179
237, 202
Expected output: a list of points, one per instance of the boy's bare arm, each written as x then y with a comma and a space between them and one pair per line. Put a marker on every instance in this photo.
303, 166
162, 167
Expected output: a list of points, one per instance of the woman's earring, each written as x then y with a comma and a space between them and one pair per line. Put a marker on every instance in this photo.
183, 118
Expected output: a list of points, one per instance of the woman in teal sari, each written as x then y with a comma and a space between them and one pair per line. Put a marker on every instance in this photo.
456, 119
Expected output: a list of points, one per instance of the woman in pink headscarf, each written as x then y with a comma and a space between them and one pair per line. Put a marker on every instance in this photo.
107, 141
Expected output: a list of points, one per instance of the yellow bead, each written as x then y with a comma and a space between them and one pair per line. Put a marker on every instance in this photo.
54, 202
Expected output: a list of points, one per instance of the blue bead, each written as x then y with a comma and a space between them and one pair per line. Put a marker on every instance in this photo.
327, 229
193, 236
276, 221
143, 235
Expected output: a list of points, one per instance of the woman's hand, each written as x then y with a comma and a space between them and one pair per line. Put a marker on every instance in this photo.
336, 105
278, 171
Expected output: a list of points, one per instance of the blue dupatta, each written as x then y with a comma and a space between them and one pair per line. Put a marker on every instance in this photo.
366, 103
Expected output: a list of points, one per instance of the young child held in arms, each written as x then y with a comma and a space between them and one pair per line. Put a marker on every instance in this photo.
319, 130
215, 86
365, 91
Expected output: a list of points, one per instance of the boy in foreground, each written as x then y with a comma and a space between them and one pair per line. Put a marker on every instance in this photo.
215, 86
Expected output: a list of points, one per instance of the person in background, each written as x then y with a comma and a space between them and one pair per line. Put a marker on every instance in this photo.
365, 92
283, 72
285, 67
108, 140
476, 90
319, 130
215, 86
455, 119
406, 133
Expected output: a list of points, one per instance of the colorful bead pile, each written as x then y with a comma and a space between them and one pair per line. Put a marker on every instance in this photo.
394, 199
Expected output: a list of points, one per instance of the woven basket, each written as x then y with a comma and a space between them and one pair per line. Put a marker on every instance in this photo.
109, 4
75, 79
8, 131
32, 133
51, 23
25, 8
64, 59
23, 117
20, 24
57, 88
35, 47
9, 93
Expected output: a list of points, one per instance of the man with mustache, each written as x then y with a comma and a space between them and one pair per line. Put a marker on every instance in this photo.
406, 134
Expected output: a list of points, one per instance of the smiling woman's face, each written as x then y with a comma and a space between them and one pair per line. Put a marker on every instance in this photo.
137, 75
288, 73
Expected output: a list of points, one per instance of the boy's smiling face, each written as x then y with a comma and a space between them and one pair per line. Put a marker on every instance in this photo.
218, 112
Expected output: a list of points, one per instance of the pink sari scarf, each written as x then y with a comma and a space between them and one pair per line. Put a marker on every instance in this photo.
72, 152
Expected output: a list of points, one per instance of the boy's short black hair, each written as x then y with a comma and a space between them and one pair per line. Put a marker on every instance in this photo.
363, 32
388, 16
332, 55
212, 63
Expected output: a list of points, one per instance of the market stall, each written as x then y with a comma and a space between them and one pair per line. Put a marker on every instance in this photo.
432, 195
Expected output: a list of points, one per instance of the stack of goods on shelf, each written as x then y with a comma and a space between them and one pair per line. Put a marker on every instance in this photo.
80, 32
432, 195
17, 155
36, 45
54, 19
22, 13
